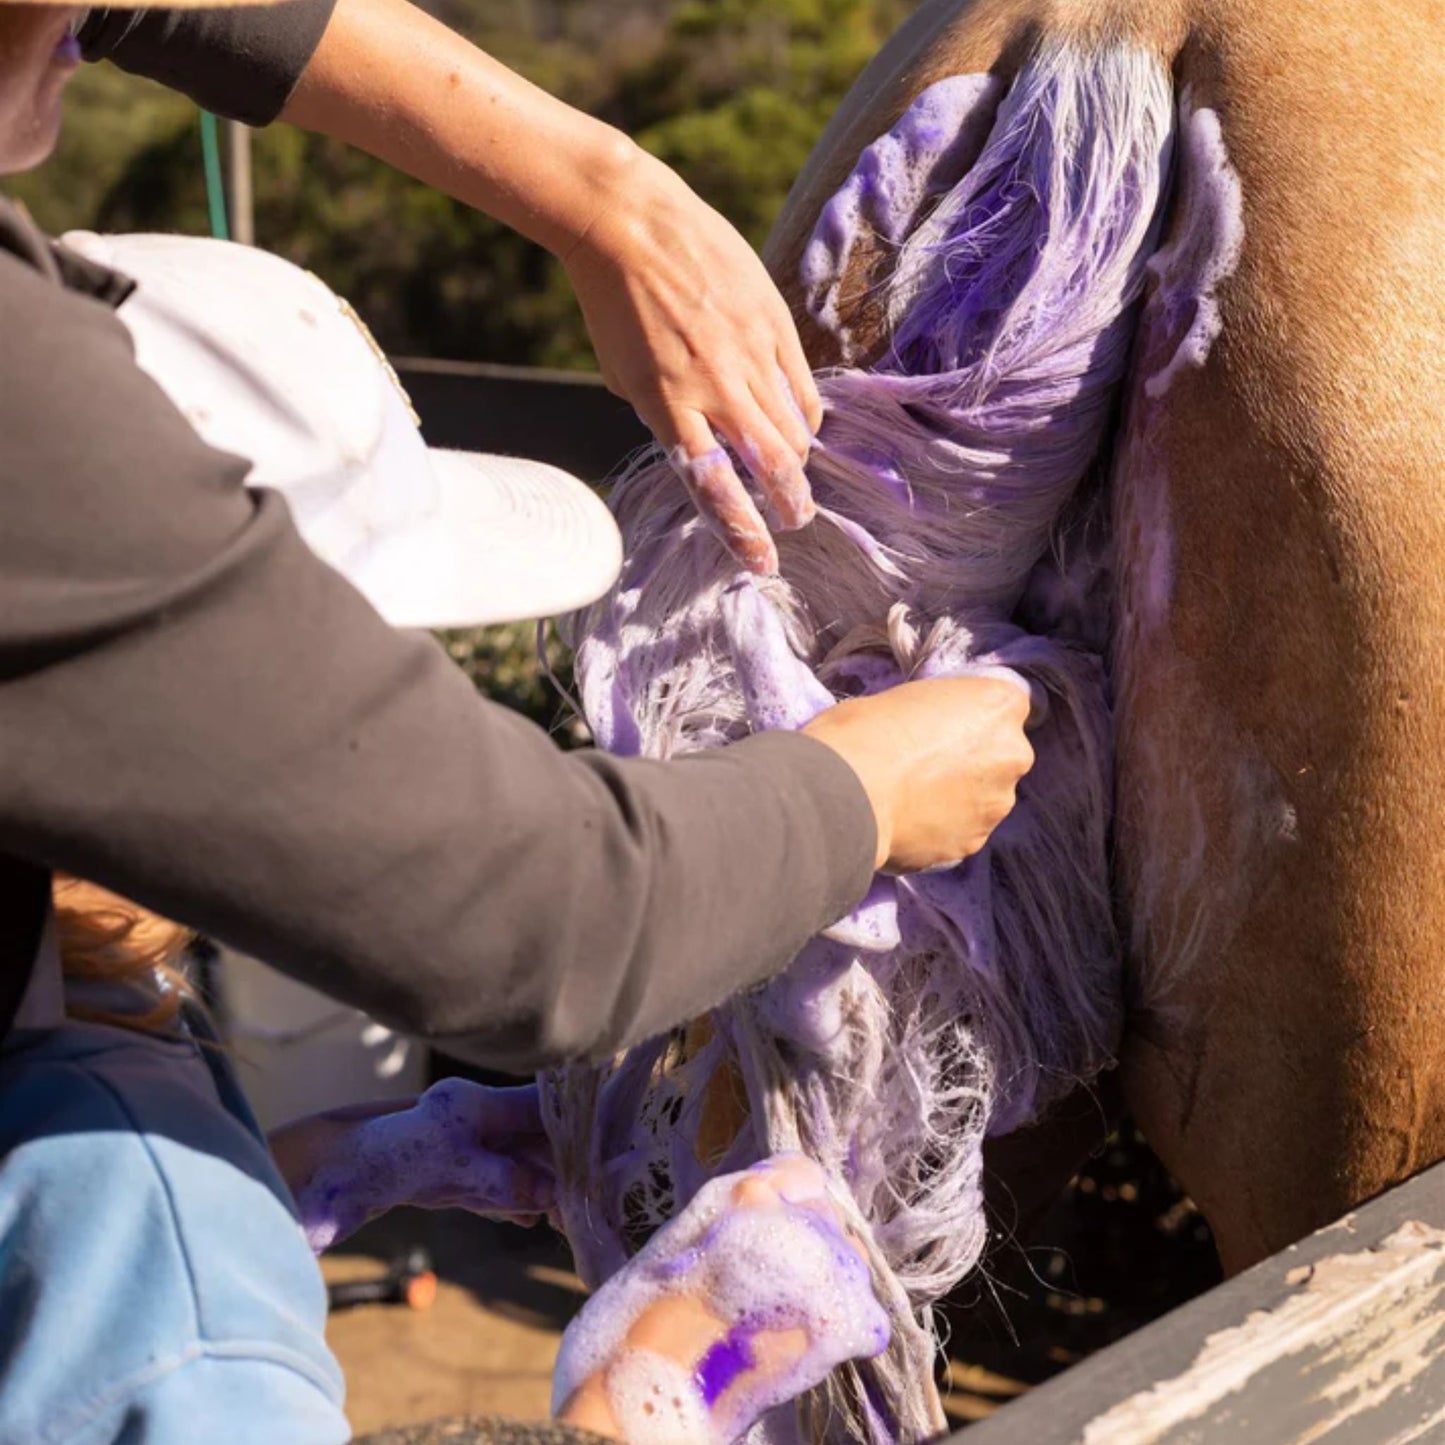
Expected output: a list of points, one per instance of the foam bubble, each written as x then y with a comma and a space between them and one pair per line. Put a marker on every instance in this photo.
656, 1402
779, 1264
1203, 252
895, 180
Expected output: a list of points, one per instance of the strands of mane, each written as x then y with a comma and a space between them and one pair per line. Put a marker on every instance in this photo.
955, 477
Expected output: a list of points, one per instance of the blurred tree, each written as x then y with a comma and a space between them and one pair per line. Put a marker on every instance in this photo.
740, 89
730, 92
111, 120
503, 663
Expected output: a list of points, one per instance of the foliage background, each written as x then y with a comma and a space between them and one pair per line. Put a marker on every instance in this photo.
732, 93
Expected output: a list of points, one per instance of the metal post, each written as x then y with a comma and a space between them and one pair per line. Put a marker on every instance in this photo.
239, 202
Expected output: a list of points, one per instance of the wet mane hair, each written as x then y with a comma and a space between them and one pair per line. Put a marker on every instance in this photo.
960, 531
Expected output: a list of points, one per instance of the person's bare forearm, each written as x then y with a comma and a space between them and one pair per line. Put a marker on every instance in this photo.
686, 323
390, 79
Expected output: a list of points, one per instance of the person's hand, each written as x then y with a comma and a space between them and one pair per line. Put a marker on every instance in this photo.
690, 329
749, 1298
459, 1146
686, 323
940, 760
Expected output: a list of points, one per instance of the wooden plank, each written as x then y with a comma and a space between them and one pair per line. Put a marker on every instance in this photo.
1339, 1340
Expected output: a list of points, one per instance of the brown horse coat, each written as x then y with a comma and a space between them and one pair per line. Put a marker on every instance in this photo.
1280, 808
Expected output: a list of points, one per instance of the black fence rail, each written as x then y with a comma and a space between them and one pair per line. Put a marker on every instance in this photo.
564, 417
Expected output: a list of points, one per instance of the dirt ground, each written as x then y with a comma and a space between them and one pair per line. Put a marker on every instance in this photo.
1121, 1248
487, 1344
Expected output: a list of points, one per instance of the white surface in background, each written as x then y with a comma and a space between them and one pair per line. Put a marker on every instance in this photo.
299, 1052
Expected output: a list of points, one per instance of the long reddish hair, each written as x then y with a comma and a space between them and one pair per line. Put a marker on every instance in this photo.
107, 938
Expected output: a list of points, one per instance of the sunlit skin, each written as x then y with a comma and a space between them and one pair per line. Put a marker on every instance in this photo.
38, 54
684, 1327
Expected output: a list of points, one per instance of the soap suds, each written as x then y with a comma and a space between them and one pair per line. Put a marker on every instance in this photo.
1203, 252
957, 479
895, 182
460, 1146
780, 1265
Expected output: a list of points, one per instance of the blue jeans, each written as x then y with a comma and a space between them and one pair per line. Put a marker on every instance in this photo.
155, 1287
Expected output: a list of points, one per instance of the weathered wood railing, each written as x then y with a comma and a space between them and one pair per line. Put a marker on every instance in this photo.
1339, 1339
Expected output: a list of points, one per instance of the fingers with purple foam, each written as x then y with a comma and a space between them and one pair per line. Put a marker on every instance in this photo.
724, 504
800, 392
747, 1299
772, 438
768, 430
460, 1146
782, 481
778, 687
774, 442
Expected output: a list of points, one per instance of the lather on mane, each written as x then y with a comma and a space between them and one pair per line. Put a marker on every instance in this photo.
957, 475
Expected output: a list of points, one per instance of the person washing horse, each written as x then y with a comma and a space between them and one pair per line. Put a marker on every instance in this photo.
199, 713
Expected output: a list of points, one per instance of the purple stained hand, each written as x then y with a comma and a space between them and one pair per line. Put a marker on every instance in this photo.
749, 1298
725, 505
729, 507
458, 1146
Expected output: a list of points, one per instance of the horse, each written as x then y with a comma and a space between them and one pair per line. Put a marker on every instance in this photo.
1277, 635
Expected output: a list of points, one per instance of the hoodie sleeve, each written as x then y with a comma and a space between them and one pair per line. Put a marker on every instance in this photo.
240, 61
199, 714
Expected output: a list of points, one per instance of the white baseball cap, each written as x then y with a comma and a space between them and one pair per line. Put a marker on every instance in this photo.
267, 362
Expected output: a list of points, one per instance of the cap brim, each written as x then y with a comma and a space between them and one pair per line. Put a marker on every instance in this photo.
508, 540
